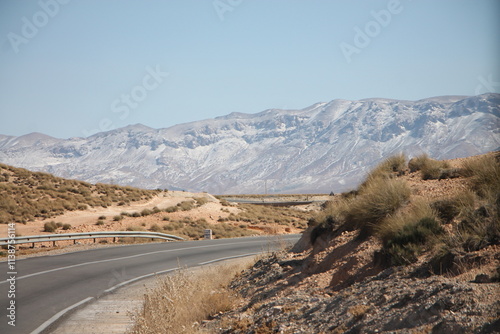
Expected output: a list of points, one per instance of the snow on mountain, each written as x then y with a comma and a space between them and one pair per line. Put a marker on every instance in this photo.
325, 147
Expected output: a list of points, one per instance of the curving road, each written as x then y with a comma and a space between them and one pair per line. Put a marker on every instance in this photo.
47, 286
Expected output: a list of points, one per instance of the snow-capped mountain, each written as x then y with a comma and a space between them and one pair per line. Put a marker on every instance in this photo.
325, 147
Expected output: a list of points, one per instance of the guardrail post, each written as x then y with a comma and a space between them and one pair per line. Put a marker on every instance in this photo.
54, 243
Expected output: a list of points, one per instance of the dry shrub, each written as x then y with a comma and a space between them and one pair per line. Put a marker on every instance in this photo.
186, 205
155, 228
449, 209
135, 228
431, 169
200, 200
358, 311
417, 210
392, 166
182, 300
379, 198
50, 226
146, 212
417, 163
485, 174
407, 233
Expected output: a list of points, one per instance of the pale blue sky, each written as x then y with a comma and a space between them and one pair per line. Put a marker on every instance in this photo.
70, 76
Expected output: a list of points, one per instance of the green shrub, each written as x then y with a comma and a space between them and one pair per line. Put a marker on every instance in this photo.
117, 218
66, 227
100, 222
102, 218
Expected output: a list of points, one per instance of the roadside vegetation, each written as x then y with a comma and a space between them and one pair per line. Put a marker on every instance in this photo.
181, 301
250, 220
409, 226
252, 214
26, 195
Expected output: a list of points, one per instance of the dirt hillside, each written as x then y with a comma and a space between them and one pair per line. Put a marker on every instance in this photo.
430, 264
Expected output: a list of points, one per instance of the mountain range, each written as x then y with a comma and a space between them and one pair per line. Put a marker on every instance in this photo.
322, 148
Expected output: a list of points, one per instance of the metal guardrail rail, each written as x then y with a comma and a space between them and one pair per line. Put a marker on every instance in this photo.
87, 235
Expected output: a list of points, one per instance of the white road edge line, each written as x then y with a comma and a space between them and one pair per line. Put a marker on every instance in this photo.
228, 258
49, 322
122, 258
139, 278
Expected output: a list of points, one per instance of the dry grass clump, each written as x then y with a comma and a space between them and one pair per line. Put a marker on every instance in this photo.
418, 163
185, 205
448, 209
485, 174
479, 217
379, 198
432, 169
52, 226
393, 166
200, 200
181, 301
406, 234
26, 195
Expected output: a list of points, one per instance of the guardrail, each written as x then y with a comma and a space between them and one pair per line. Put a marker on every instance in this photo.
87, 235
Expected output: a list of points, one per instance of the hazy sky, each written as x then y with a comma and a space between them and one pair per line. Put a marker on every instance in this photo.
74, 68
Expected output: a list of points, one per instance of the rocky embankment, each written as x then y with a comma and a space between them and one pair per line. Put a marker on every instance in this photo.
413, 250
280, 296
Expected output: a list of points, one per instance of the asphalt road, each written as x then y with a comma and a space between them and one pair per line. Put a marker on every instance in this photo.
45, 286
